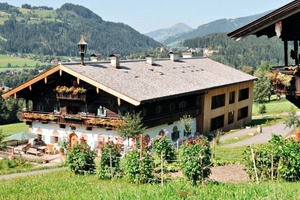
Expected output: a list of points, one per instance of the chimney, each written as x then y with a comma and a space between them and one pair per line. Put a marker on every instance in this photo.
174, 56
95, 57
187, 54
115, 60
150, 59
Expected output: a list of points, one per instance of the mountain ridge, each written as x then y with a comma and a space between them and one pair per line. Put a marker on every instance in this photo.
216, 26
57, 32
161, 35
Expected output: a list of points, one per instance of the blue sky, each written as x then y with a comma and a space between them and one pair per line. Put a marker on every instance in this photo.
146, 16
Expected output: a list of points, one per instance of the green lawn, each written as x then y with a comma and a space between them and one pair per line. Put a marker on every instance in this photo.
229, 155
275, 107
13, 128
64, 185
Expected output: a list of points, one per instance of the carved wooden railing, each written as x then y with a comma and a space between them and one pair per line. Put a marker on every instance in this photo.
71, 119
65, 96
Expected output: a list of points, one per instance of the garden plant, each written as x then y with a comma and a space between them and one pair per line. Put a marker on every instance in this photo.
80, 158
109, 163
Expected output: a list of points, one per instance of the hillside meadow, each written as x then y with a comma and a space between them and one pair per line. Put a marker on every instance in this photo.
4, 60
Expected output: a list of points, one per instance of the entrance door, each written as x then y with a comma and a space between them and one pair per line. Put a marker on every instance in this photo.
73, 139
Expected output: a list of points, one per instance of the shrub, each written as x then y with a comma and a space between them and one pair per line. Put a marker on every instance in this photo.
195, 160
109, 165
80, 158
279, 159
139, 166
262, 109
163, 147
186, 123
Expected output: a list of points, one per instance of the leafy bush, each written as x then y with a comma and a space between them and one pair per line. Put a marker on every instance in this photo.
195, 160
279, 159
139, 166
109, 165
163, 147
80, 158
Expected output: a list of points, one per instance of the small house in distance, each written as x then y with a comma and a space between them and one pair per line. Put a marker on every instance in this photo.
282, 23
76, 101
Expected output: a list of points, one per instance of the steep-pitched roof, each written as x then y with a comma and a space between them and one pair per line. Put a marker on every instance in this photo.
138, 82
266, 24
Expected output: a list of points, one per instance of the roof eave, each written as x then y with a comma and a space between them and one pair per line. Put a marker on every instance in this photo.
265, 21
14, 91
59, 67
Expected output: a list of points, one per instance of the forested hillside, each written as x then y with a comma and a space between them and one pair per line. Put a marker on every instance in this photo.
250, 51
42, 30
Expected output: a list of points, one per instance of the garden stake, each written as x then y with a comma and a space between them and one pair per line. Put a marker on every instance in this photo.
110, 163
254, 164
162, 169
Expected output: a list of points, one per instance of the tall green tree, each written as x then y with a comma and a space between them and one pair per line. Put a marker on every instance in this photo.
263, 86
9, 109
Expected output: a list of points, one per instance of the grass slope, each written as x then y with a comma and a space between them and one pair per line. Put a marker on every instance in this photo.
275, 106
63, 185
10, 129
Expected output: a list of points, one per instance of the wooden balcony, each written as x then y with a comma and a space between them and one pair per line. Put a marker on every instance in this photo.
64, 96
294, 73
88, 120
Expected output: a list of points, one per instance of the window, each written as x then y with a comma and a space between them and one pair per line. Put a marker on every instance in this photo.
145, 112
231, 117
172, 106
244, 94
54, 139
40, 107
231, 97
101, 111
56, 109
218, 101
243, 113
216, 123
158, 109
182, 104
175, 134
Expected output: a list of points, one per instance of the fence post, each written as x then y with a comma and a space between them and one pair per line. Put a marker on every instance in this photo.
272, 167
110, 164
162, 169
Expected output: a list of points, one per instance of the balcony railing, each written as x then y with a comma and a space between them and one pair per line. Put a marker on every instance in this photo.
78, 97
71, 119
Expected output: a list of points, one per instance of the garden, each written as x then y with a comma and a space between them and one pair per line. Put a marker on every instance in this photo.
145, 172
152, 168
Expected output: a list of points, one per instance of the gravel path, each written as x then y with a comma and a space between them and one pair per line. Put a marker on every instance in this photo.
264, 137
45, 171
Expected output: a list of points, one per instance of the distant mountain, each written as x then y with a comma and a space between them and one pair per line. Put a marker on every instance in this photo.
43, 30
218, 26
162, 34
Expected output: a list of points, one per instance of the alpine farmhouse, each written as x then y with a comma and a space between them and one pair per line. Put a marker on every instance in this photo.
84, 101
